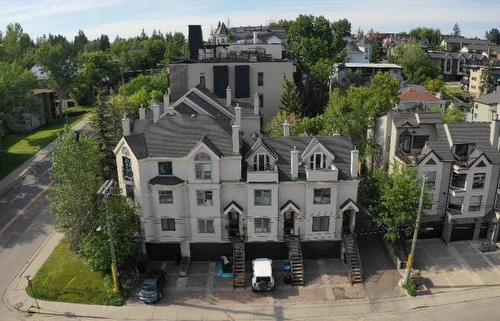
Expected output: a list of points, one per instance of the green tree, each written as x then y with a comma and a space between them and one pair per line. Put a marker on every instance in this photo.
79, 42
274, 127
456, 30
106, 122
428, 35
16, 44
291, 99
355, 111
392, 199
16, 84
451, 114
98, 69
125, 229
76, 173
57, 61
377, 50
417, 66
488, 81
435, 85
493, 35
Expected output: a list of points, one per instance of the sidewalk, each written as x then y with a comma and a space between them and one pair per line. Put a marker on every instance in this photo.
16, 298
20, 171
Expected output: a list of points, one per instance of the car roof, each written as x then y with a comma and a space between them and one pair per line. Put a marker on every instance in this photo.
262, 267
151, 281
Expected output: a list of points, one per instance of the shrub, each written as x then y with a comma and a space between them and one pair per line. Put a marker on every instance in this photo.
411, 287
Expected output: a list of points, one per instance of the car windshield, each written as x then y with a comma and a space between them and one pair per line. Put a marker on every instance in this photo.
266, 279
149, 285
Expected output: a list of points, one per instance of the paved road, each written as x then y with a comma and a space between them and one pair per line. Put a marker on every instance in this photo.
25, 223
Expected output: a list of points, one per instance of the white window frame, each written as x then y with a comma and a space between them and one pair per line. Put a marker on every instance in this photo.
168, 194
262, 225
204, 198
263, 164
262, 197
323, 227
203, 171
474, 178
475, 206
206, 226
167, 226
313, 159
322, 198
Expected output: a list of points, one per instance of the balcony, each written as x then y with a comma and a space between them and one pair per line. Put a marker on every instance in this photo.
266, 176
322, 175
406, 158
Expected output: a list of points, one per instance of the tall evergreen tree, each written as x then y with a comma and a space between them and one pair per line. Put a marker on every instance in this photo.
291, 100
488, 81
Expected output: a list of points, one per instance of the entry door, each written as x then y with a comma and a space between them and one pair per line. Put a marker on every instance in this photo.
234, 224
462, 232
288, 223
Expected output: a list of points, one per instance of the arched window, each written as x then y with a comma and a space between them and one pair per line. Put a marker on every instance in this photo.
203, 166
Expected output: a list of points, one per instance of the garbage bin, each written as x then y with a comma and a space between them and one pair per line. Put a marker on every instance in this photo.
287, 273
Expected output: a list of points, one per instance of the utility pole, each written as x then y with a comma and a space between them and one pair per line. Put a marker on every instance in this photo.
411, 257
105, 191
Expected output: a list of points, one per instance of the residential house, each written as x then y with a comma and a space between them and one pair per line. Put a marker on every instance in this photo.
30, 118
248, 73
461, 164
358, 51
419, 99
486, 107
364, 72
453, 65
203, 179
472, 82
454, 43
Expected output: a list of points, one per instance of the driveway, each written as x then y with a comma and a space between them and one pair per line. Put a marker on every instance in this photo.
457, 266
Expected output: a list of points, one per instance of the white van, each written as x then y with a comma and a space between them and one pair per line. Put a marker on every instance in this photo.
262, 278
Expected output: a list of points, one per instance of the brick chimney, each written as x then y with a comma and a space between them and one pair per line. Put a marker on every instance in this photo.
142, 113
256, 104
237, 112
286, 128
354, 162
156, 113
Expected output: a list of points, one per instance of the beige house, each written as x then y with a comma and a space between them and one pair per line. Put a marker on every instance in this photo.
487, 107
474, 78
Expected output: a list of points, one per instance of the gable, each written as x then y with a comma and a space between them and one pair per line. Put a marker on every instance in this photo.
315, 146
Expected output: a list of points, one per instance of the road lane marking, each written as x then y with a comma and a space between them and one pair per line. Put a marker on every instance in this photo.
27, 207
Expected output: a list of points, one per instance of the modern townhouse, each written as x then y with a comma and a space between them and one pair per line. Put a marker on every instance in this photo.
456, 43
252, 71
461, 164
204, 181
358, 51
472, 81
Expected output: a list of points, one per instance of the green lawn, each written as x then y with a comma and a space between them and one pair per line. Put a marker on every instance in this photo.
21, 147
65, 277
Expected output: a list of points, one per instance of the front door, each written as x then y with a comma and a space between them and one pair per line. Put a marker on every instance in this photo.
346, 222
289, 224
234, 224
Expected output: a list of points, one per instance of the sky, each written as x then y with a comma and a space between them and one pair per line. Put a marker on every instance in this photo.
128, 17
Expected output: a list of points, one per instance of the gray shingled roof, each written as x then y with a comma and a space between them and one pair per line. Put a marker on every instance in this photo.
177, 135
474, 133
282, 146
220, 117
410, 118
489, 99
440, 146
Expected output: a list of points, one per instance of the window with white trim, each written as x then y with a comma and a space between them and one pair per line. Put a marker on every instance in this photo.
475, 203
168, 224
321, 196
204, 198
478, 181
261, 162
262, 197
165, 197
262, 225
203, 166
321, 223
206, 226
317, 161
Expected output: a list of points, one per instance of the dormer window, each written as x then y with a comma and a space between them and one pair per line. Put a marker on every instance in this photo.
203, 166
317, 161
164, 168
261, 162
127, 168
463, 150
405, 142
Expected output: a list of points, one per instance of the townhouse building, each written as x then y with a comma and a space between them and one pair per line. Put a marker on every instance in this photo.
454, 64
472, 82
461, 164
486, 107
204, 180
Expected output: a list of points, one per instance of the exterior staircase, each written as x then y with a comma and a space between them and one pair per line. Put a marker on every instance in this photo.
352, 258
238, 264
295, 257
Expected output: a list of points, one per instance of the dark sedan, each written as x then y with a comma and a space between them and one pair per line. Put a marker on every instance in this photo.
152, 287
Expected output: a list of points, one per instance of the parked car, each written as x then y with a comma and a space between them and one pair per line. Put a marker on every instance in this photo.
152, 287
262, 278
